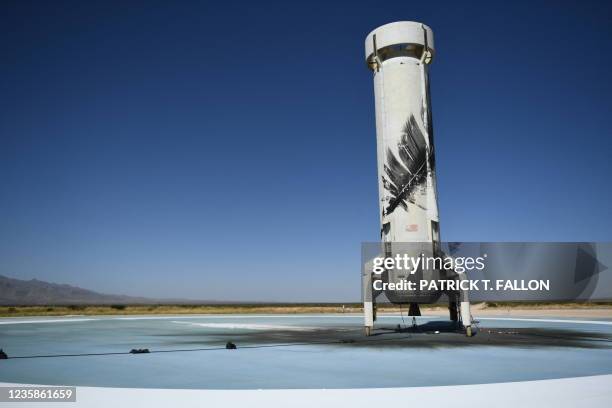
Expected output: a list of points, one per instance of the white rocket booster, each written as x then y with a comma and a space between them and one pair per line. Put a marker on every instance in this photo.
399, 55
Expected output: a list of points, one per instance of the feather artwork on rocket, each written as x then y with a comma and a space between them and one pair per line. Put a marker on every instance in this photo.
408, 171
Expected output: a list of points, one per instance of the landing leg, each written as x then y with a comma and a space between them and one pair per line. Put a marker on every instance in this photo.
452, 308
368, 305
464, 310
368, 315
466, 319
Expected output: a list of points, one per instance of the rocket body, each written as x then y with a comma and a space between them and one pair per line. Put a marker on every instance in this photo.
404, 136
399, 55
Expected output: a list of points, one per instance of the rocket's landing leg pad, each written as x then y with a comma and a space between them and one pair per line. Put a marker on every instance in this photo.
471, 331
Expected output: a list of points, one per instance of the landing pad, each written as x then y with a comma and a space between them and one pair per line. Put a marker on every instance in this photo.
297, 351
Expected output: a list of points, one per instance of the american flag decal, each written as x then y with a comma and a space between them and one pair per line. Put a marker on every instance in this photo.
412, 227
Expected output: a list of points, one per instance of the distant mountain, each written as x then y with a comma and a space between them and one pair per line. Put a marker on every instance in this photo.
36, 292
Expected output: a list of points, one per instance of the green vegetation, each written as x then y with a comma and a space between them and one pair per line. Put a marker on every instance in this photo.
61, 310
545, 305
288, 308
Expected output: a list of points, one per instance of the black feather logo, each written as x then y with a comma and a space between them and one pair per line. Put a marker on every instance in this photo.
409, 171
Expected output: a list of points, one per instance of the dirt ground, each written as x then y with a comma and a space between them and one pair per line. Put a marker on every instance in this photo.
578, 310
599, 312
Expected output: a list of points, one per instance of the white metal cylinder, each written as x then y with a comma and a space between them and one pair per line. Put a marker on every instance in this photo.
399, 54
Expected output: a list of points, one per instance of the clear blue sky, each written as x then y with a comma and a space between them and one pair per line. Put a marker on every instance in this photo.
176, 149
